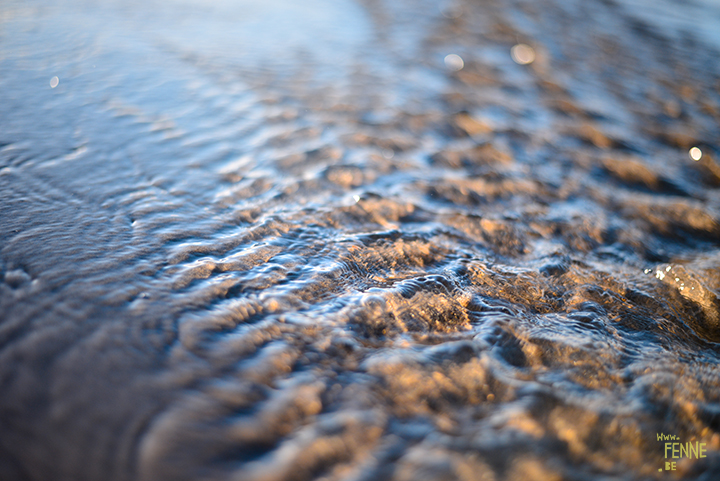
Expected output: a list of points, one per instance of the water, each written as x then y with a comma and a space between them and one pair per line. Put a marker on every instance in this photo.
252, 241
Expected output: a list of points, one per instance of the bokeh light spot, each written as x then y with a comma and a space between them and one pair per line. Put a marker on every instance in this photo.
522, 54
696, 154
454, 62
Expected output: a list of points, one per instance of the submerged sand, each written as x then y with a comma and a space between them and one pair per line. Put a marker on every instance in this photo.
359, 240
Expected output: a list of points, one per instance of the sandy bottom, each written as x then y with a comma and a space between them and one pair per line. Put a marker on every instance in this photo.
359, 241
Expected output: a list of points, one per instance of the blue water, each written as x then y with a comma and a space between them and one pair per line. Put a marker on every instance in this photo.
247, 240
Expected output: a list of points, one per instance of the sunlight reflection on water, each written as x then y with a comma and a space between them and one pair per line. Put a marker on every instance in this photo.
356, 240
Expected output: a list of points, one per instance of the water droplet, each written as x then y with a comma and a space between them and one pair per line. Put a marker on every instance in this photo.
54, 82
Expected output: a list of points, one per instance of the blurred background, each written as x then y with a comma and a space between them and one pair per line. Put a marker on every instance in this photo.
359, 239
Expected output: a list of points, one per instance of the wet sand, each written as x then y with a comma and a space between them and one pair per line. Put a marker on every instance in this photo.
372, 240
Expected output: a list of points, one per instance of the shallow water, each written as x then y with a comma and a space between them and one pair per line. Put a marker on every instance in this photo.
253, 241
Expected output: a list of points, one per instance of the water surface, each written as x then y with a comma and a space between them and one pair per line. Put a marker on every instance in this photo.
248, 240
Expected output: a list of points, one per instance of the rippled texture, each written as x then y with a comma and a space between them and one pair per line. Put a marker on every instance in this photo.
248, 240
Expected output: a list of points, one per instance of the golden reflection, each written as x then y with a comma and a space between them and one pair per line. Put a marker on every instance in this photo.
522, 54
696, 154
